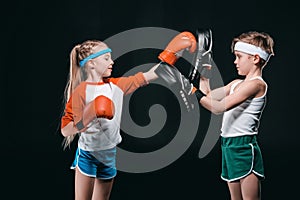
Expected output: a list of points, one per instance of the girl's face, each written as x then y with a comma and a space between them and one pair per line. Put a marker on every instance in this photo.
103, 63
244, 62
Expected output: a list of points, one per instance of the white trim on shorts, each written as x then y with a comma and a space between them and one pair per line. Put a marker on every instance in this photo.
251, 169
89, 175
77, 166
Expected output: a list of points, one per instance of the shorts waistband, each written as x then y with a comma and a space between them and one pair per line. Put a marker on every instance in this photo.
238, 141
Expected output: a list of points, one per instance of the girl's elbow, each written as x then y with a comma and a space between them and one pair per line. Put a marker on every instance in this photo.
63, 132
66, 131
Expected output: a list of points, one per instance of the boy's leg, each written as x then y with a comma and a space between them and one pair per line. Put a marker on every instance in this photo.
250, 186
235, 190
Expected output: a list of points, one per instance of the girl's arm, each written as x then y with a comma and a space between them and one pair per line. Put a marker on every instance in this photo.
73, 110
151, 75
69, 129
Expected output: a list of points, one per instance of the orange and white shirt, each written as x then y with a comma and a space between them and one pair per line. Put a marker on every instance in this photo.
101, 133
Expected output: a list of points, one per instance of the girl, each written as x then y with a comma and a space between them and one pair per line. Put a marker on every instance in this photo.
93, 109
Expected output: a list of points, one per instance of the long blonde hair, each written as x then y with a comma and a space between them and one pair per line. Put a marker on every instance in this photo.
77, 74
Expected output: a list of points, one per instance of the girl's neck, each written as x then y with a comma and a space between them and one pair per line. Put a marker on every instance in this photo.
94, 78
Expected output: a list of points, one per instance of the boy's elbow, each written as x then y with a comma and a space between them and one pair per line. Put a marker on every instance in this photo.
213, 109
217, 112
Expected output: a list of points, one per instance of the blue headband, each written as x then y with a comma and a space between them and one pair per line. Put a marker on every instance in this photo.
94, 55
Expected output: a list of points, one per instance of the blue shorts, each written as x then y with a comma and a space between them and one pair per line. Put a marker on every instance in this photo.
98, 164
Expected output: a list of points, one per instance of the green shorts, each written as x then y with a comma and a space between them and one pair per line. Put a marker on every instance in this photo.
240, 157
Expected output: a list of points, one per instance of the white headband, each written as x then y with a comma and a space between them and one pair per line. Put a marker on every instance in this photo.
251, 49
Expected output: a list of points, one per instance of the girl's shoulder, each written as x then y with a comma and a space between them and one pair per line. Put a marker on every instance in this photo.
80, 89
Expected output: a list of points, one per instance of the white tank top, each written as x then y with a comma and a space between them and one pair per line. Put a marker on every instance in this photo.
243, 119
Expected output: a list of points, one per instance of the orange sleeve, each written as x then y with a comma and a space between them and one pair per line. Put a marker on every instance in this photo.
131, 83
68, 116
74, 107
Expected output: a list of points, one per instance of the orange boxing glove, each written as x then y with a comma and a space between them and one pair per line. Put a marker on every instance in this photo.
180, 42
104, 107
100, 107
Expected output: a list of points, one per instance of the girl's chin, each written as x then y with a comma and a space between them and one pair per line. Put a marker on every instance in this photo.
107, 74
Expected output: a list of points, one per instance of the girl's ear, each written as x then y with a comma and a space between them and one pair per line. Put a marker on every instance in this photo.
91, 64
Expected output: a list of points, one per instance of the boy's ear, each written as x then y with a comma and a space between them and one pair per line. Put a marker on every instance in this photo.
256, 59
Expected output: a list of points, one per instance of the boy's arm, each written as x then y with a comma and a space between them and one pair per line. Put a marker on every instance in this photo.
246, 91
217, 93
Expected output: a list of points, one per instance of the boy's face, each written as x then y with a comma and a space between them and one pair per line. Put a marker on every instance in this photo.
244, 62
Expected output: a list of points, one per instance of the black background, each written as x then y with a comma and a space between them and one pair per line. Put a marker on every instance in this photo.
38, 36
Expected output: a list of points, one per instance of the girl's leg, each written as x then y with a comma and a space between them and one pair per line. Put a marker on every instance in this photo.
102, 189
251, 187
83, 186
235, 190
